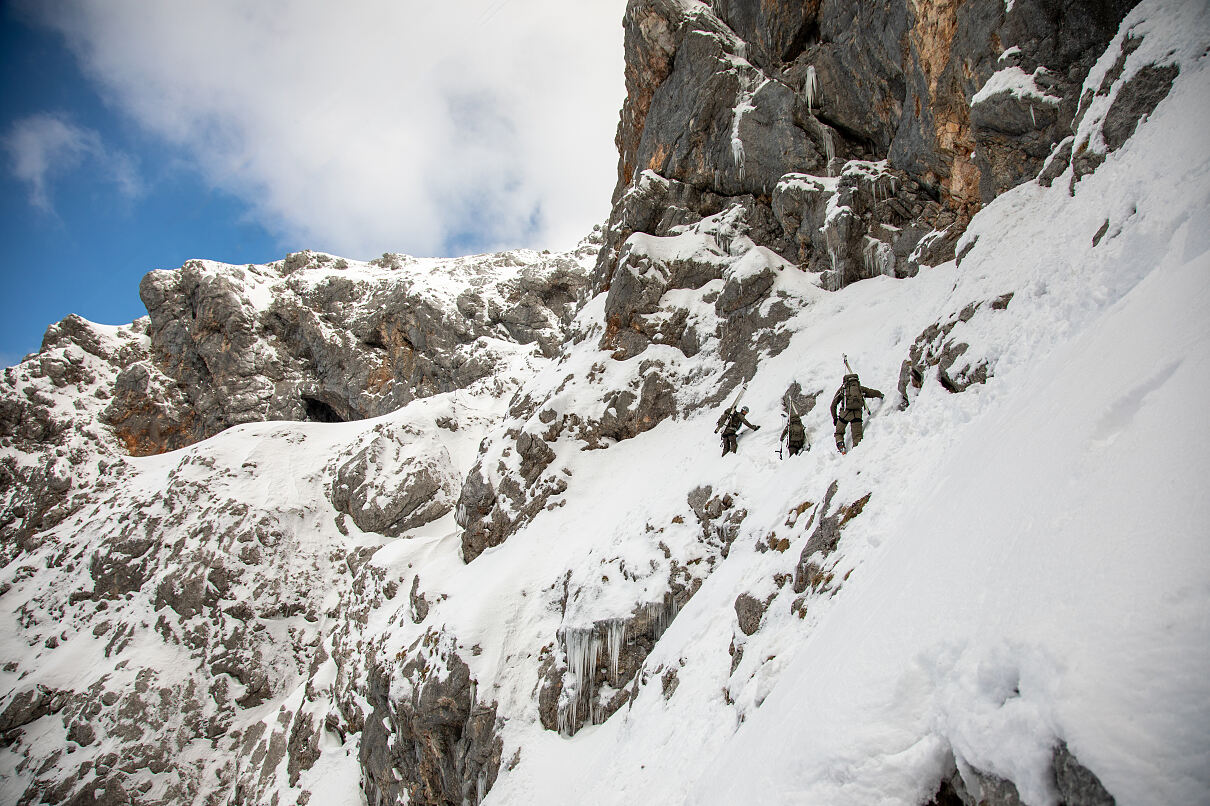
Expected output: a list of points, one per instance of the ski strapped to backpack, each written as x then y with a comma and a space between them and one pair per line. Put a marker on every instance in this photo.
726, 415
795, 432
860, 396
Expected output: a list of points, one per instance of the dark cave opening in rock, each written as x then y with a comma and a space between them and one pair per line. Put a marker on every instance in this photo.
807, 36
320, 412
946, 796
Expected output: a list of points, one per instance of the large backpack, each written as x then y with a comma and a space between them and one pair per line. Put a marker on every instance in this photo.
723, 419
853, 399
796, 434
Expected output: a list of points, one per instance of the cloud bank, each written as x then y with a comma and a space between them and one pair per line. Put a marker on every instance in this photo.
368, 126
46, 146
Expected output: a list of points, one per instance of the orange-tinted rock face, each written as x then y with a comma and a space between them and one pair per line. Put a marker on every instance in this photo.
728, 99
650, 46
932, 38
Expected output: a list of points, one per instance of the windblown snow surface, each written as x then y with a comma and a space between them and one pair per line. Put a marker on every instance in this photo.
1031, 565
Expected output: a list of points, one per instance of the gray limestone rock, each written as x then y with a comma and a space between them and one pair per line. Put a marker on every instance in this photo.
430, 740
396, 483
729, 101
484, 524
749, 612
419, 605
148, 411
1074, 785
329, 346
1057, 163
1137, 99
936, 348
26, 706
777, 32
824, 540
1077, 785
628, 414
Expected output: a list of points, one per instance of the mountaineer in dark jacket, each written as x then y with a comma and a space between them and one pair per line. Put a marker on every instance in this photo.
794, 435
850, 400
734, 421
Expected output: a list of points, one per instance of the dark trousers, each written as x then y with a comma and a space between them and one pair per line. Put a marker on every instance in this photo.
857, 432
730, 443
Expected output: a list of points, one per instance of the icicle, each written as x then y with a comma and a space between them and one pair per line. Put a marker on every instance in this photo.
615, 634
566, 721
868, 256
877, 258
481, 786
661, 614
581, 646
737, 144
1032, 119
829, 147
811, 88
671, 608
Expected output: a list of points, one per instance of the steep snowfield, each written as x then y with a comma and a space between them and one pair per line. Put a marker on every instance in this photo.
1003, 569
1032, 563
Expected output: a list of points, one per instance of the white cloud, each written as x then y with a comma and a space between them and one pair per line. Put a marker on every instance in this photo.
45, 146
376, 125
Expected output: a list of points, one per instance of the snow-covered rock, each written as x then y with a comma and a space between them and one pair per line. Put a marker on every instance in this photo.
318, 338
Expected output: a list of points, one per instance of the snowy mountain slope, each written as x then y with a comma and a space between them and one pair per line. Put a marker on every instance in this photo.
311, 337
215, 582
183, 597
999, 531
999, 595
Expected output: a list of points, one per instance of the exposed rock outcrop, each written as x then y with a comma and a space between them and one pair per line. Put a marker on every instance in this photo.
937, 348
1072, 782
963, 101
811, 570
429, 740
397, 482
316, 338
589, 679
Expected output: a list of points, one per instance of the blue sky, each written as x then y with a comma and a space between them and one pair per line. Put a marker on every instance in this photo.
136, 136
87, 251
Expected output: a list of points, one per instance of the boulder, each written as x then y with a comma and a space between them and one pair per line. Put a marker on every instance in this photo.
398, 482
429, 739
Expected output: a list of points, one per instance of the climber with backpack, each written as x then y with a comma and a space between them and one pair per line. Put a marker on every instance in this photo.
731, 422
794, 434
847, 407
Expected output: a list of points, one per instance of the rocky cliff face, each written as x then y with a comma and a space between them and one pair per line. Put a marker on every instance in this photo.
182, 552
759, 105
445, 531
310, 338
